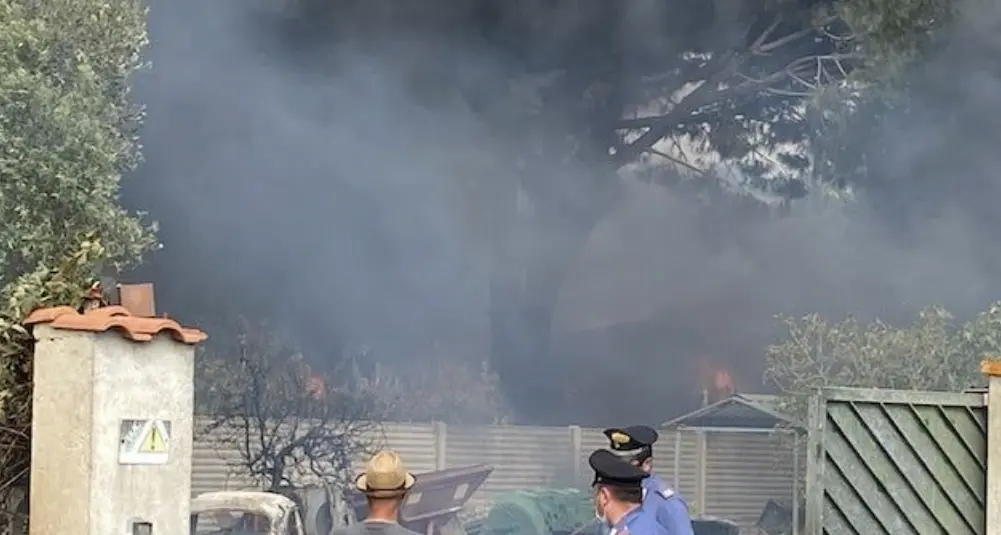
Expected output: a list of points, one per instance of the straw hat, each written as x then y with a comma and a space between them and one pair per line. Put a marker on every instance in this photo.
385, 476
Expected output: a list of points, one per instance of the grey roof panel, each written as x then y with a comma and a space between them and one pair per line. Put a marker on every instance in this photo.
740, 411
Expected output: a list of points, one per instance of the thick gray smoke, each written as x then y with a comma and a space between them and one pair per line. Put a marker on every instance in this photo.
320, 184
312, 195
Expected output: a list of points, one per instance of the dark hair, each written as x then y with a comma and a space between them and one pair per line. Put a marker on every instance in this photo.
385, 499
626, 494
642, 457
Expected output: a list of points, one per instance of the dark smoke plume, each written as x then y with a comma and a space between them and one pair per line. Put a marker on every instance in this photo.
325, 166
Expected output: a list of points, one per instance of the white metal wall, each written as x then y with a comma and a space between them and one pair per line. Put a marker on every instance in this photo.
522, 456
741, 471
744, 471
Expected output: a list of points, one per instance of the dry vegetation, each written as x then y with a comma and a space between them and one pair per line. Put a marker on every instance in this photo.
934, 352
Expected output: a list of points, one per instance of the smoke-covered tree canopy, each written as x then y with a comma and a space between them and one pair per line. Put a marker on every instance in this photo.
546, 104
583, 91
607, 82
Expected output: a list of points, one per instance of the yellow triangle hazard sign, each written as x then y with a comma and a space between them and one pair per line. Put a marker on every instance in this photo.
155, 440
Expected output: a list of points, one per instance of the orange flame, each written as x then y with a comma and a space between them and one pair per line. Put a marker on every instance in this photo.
715, 380
723, 383
316, 386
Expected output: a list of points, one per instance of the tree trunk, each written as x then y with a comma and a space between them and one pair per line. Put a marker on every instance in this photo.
532, 259
276, 477
521, 314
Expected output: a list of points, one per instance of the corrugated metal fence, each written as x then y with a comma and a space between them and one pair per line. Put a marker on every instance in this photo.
744, 471
884, 461
741, 472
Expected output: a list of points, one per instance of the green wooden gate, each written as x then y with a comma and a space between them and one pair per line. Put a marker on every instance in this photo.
896, 462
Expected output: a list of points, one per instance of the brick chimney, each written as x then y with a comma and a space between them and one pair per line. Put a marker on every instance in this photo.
139, 299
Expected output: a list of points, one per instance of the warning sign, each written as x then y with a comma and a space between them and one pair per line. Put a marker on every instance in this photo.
144, 442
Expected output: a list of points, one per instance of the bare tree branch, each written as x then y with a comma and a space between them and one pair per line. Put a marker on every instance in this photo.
287, 432
931, 353
723, 81
680, 162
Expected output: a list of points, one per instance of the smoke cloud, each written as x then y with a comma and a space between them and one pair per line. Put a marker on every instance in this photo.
334, 185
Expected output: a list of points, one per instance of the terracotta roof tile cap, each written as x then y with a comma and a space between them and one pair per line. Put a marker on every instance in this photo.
991, 367
138, 329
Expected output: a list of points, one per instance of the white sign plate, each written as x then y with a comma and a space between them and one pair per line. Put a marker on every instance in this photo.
144, 442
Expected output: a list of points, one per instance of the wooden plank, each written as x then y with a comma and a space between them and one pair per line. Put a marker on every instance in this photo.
877, 395
816, 460
898, 461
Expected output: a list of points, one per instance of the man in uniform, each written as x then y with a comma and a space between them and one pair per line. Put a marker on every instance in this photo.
635, 445
618, 496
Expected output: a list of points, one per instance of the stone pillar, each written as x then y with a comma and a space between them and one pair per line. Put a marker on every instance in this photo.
112, 423
992, 368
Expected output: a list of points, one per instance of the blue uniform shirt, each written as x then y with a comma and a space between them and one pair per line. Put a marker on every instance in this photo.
639, 521
664, 504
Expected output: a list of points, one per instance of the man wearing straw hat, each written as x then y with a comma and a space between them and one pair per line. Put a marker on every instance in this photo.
385, 483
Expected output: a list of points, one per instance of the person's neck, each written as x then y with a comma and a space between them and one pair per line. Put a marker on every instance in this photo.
383, 511
616, 512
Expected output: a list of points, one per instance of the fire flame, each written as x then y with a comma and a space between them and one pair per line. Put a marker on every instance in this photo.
716, 381
316, 386
723, 383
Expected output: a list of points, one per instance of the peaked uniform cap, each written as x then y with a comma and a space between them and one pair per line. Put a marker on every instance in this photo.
631, 440
385, 476
610, 469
